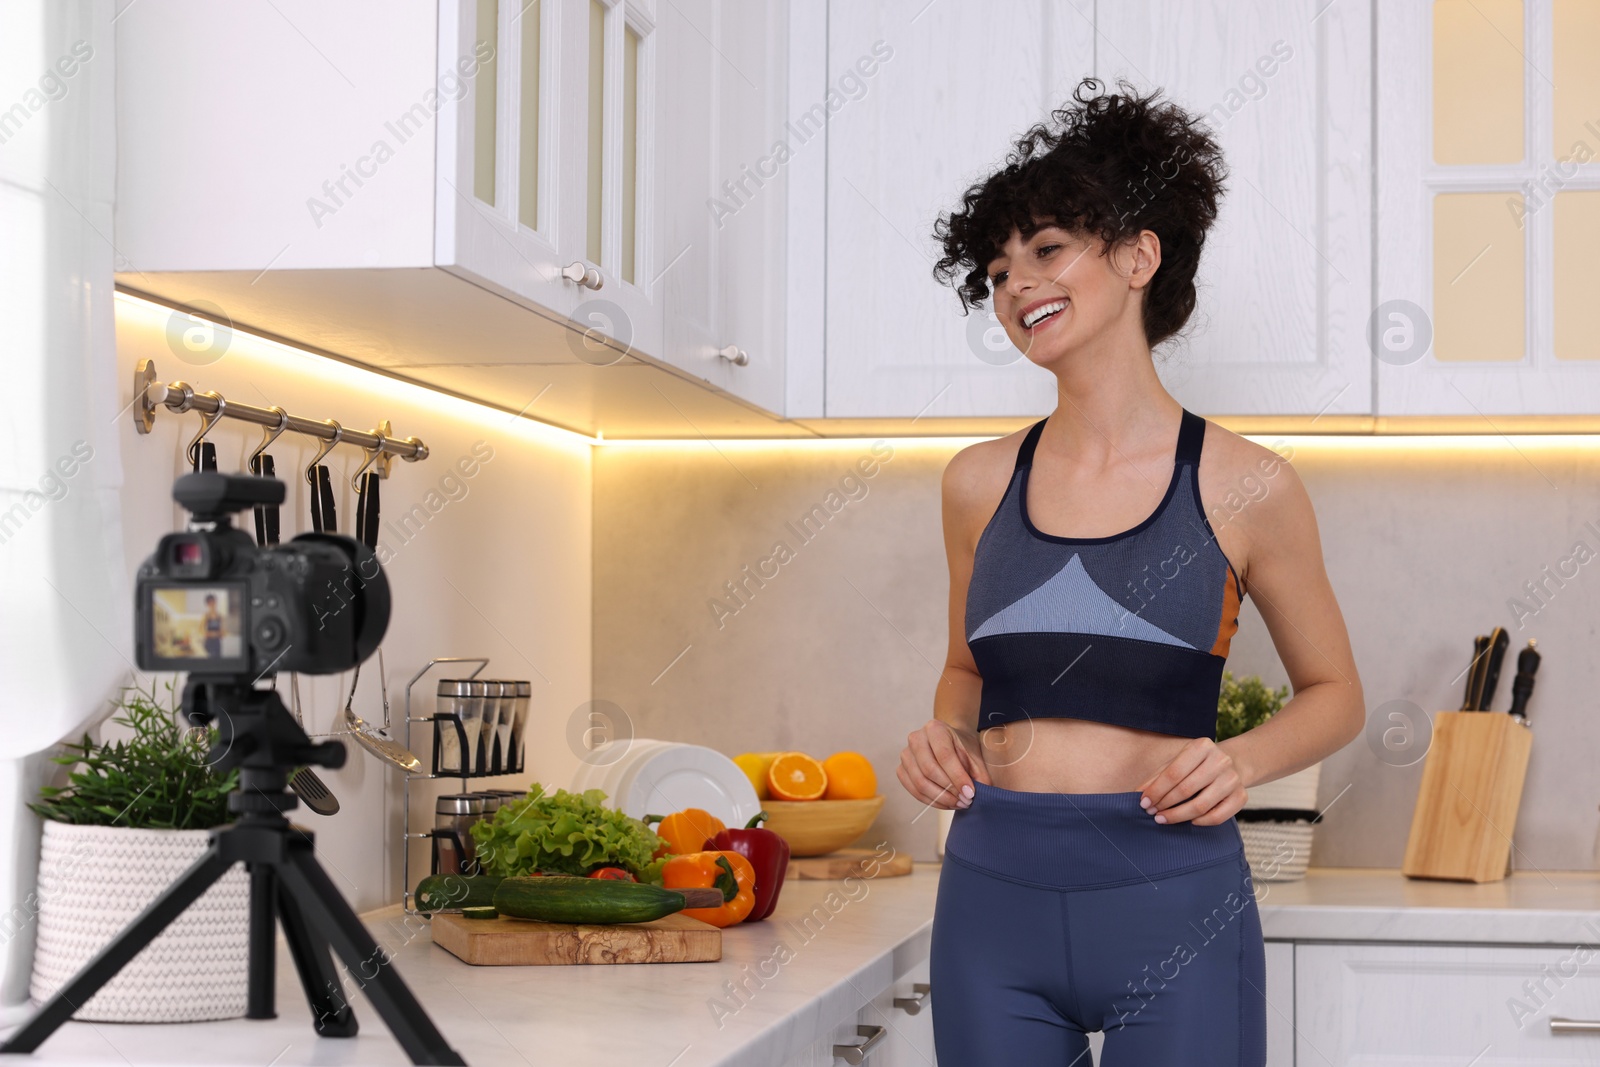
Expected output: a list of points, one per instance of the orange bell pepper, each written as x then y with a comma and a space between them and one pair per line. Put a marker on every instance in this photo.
686, 831
726, 870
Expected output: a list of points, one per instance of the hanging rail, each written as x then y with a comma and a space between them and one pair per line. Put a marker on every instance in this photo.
181, 397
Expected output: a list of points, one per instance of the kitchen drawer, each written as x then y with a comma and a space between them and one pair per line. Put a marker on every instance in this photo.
1382, 1005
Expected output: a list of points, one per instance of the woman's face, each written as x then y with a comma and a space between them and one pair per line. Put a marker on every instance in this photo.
1055, 290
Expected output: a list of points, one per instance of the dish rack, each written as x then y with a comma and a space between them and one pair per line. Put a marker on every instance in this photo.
514, 763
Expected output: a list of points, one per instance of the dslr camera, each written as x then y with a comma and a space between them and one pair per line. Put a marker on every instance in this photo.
212, 602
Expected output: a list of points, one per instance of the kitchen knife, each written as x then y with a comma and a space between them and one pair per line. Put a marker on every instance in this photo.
1522, 684
1498, 640
1480, 645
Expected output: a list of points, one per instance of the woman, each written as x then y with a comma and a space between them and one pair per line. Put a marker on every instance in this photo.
1095, 877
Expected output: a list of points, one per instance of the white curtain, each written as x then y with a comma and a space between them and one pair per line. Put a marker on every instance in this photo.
65, 616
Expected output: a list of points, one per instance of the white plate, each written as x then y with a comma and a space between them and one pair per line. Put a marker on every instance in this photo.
610, 779
689, 776
603, 767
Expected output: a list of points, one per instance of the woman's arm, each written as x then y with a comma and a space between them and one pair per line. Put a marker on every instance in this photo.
1285, 577
942, 757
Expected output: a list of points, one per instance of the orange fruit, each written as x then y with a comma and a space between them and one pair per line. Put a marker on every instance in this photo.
850, 777
796, 776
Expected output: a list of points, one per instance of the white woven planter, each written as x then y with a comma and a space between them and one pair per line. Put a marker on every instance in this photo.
1280, 851
93, 880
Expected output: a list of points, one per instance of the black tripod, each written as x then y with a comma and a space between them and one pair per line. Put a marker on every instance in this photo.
257, 735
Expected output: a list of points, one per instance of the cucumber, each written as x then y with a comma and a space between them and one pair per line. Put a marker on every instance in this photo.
440, 891
569, 899
479, 913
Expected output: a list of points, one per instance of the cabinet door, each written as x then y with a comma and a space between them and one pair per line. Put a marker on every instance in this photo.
723, 188
509, 206
921, 100
1393, 1005
1284, 283
909, 1041
1487, 220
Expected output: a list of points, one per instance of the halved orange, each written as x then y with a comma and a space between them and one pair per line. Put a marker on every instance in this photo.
850, 777
796, 776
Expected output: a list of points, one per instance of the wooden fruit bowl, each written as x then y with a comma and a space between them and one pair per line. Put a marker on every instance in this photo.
817, 827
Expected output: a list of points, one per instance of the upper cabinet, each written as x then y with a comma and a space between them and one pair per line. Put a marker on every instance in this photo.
923, 99
936, 94
724, 194
546, 157
1488, 208
1285, 280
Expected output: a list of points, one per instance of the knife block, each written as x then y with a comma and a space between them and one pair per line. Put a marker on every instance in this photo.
1467, 803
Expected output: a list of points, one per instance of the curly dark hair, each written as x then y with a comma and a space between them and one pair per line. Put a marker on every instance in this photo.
1112, 165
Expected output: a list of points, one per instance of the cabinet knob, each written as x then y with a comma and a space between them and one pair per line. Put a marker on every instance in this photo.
735, 355
586, 276
857, 1054
1574, 1026
919, 995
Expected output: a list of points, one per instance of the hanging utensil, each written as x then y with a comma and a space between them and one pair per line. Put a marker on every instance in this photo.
261, 464
323, 518
202, 453
365, 482
386, 749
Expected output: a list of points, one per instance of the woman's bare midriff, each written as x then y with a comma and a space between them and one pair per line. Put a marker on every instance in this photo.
1074, 755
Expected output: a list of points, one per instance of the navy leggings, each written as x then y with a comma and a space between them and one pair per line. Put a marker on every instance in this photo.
1064, 913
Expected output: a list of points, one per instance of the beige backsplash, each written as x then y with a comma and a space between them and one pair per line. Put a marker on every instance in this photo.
722, 617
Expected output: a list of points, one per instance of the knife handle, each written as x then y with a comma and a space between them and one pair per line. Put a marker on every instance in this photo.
1474, 676
1522, 684
1498, 640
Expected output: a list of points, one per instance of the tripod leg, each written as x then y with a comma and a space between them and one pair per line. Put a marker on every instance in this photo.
331, 1013
122, 949
303, 877
263, 946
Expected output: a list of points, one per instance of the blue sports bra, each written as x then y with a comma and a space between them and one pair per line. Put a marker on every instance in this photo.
1130, 629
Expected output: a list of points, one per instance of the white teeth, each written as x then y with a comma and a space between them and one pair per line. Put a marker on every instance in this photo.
1041, 311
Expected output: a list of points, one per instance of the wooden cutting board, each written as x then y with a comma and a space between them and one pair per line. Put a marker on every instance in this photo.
846, 862
504, 942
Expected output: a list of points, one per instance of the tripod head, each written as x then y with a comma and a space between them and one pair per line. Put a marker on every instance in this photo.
255, 733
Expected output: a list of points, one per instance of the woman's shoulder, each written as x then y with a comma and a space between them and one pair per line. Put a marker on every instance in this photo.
976, 477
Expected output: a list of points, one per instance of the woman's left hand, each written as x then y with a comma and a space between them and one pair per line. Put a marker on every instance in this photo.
1201, 784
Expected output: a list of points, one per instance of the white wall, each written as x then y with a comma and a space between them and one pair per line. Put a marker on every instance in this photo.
501, 570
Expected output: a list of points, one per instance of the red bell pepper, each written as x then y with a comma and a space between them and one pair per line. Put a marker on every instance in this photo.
767, 852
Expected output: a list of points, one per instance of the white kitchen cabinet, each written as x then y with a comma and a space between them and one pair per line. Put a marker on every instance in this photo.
1285, 289
1285, 280
500, 141
724, 189
907, 1028
1386, 1005
928, 98
1486, 221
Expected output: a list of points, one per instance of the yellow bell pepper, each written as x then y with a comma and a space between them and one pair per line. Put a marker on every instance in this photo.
728, 871
687, 830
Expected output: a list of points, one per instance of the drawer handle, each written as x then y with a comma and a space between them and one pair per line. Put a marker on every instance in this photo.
1574, 1026
918, 997
857, 1054
735, 355
583, 275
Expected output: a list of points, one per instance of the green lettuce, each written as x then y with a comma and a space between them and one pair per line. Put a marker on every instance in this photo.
565, 833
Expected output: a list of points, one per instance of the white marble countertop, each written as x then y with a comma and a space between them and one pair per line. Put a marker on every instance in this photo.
846, 941
1381, 904
860, 937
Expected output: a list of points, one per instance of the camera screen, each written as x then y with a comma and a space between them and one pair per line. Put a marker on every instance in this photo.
197, 622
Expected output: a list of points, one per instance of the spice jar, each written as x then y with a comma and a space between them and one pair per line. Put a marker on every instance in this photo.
454, 848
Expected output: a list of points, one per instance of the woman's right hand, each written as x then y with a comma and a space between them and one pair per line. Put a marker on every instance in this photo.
939, 764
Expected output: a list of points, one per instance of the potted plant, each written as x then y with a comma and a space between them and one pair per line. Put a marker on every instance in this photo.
134, 815
1276, 822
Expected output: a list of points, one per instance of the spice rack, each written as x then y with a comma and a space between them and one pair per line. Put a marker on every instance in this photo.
441, 722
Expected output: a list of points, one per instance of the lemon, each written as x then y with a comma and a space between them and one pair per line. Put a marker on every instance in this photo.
755, 765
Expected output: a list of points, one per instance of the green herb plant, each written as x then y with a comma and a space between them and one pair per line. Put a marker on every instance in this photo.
156, 780
1245, 704
565, 833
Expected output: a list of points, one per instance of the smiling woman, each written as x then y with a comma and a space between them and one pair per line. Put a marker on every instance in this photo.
1092, 607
